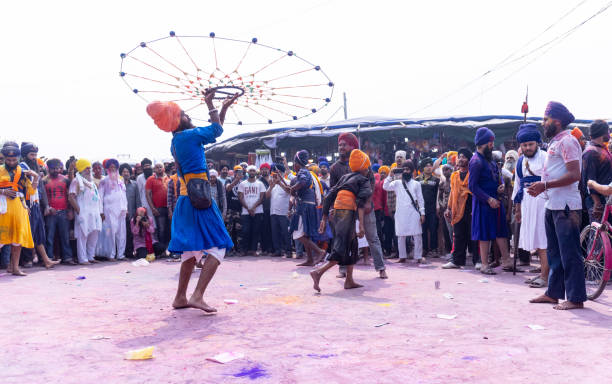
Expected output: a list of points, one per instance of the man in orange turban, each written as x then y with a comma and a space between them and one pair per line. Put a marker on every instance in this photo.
577, 133
349, 198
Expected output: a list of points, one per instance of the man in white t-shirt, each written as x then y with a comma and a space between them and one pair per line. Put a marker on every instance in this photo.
251, 194
278, 193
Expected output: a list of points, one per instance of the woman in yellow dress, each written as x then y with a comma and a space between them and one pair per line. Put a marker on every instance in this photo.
14, 219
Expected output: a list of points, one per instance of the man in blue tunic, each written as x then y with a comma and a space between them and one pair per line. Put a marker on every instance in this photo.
488, 216
194, 231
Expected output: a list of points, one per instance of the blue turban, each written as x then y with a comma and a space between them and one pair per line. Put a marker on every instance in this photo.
557, 111
54, 163
483, 136
325, 163
278, 167
301, 157
375, 167
109, 162
11, 149
528, 132
322, 159
28, 148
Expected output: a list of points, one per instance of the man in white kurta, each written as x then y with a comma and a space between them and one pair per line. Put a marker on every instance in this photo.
111, 242
409, 211
531, 211
85, 199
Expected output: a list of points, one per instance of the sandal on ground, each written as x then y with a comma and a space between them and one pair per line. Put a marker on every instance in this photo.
510, 268
494, 264
487, 271
535, 270
531, 279
538, 282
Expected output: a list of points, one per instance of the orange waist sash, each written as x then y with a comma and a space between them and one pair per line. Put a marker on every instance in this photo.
345, 200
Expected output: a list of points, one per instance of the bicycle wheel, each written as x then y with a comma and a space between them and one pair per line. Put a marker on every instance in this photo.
592, 244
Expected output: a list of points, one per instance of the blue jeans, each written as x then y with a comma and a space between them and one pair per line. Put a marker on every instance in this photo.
299, 249
280, 234
60, 222
565, 256
5, 256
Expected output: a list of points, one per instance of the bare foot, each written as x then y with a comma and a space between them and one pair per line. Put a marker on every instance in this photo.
18, 272
544, 299
316, 277
567, 305
401, 261
200, 304
307, 263
93, 261
51, 264
383, 274
180, 303
351, 285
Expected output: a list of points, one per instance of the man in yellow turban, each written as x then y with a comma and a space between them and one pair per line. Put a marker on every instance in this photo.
85, 200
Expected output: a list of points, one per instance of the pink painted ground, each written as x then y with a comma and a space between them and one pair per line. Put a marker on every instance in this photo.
290, 335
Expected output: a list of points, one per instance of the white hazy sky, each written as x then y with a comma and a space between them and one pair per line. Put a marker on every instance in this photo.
59, 83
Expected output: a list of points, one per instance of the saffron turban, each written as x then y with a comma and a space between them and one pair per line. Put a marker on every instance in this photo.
577, 133
558, 111
109, 162
82, 164
358, 161
301, 157
165, 114
528, 132
483, 136
385, 169
394, 165
238, 168
350, 139
450, 154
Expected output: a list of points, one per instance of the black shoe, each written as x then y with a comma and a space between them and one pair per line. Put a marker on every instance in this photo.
69, 262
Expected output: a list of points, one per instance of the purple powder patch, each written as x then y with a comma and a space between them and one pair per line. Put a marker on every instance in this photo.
254, 372
81, 278
317, 356
470, 358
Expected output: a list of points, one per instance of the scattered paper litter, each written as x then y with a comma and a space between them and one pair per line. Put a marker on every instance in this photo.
448, 296
262, 289
381, 324
100, 337
295, 275
445, 317
140, 263
385, 304
230, 301
226, 357
536, 327
140, 354
483, 280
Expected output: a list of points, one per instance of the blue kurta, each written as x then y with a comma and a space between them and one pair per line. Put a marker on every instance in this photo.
487, 223
306, 205
196, 229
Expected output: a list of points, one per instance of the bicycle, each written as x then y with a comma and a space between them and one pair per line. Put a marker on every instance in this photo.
597, 253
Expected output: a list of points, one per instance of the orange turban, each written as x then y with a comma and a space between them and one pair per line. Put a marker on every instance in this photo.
385, 169
394, 165
577, 133
358, 161
165, 114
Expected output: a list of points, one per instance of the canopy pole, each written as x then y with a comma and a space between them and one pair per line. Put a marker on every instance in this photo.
345, 113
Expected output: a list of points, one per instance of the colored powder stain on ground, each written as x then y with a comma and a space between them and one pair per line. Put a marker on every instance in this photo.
317, 356
254, 372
